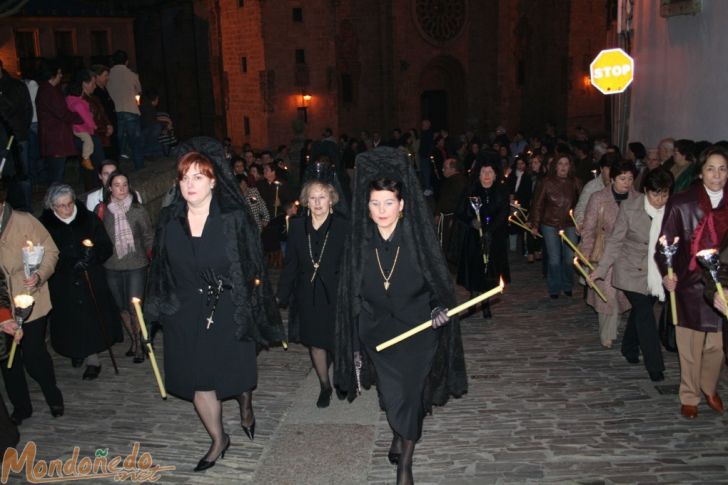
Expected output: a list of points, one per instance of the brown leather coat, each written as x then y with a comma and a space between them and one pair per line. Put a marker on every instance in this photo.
682, 215
554, 197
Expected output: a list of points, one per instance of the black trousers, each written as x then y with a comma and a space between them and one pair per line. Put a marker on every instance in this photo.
641, 332
31, 355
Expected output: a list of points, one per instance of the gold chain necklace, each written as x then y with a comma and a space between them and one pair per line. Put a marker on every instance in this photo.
394, 264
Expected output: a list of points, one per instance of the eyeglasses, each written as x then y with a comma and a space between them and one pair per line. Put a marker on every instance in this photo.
69, 205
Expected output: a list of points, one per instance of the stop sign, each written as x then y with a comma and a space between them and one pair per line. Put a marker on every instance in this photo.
612, 71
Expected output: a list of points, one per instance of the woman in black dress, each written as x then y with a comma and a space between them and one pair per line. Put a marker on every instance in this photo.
394, 277
310, 277
492, 248
209, 289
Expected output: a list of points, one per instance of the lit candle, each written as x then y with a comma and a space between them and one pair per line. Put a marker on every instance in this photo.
710, 259
23, 308
87, 243
573, 219
581, 256
450, 313
592, 284
143, 327
669, 250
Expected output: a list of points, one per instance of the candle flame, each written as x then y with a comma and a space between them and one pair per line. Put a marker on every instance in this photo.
29, 245
87, 243
576, 261
296, 203
502, 283
135, 300
706, 252
571, 212
561, 232
257, 282
23, 301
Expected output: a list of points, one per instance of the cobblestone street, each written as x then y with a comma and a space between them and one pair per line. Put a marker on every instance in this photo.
546, 404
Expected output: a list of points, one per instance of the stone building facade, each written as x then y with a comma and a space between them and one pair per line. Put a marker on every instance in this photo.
374, 65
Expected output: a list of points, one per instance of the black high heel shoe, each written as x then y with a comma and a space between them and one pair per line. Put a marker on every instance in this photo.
203, 464
249, 431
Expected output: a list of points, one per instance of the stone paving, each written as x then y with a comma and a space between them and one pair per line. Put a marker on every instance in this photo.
546, 404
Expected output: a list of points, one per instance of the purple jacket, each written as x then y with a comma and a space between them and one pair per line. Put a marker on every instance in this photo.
682, 216
54, 122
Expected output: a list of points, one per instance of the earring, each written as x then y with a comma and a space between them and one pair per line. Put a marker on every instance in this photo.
331, 210
401, 214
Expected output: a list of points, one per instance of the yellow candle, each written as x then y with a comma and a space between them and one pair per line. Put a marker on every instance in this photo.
515, 222
452, 312
143, 327
673, 302
578, 253
721, 294
573, 219
588, 281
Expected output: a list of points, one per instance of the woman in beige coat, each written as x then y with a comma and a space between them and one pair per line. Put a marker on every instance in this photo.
630, 256
32, 354
601, 213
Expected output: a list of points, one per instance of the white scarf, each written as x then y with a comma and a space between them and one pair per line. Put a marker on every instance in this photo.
654, 278
69, 219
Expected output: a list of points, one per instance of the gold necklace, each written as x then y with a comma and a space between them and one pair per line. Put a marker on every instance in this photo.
394, 264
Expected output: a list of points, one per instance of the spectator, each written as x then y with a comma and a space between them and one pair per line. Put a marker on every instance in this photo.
55, 122
124, 87
16, 112
111, 140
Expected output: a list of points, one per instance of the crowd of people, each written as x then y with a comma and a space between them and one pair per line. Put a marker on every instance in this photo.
88, 115
369, 236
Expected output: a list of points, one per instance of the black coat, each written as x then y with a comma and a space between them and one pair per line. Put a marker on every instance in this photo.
312, 303
472, 273
75, 327
256, 316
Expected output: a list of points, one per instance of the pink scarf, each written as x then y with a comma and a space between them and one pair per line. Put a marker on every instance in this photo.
123, 237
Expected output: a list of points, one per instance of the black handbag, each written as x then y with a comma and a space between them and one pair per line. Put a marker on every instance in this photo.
666, 329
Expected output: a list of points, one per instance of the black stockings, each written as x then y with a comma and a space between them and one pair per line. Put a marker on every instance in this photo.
320, 361
247, 418
209, 409
404, 468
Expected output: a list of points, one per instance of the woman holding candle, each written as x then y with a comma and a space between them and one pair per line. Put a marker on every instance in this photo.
486, 237
699, 217
601, 213
310, 276
209, 289
394, 277
85, 319
549, 214
16, 229
629, 256
130, 229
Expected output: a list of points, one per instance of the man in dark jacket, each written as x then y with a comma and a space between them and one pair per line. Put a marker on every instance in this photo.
16, 114
451, 192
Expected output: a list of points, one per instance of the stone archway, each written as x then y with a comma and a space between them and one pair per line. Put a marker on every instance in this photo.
443, 94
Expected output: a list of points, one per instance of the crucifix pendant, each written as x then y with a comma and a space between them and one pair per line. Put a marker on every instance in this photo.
209, 322
386, 285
